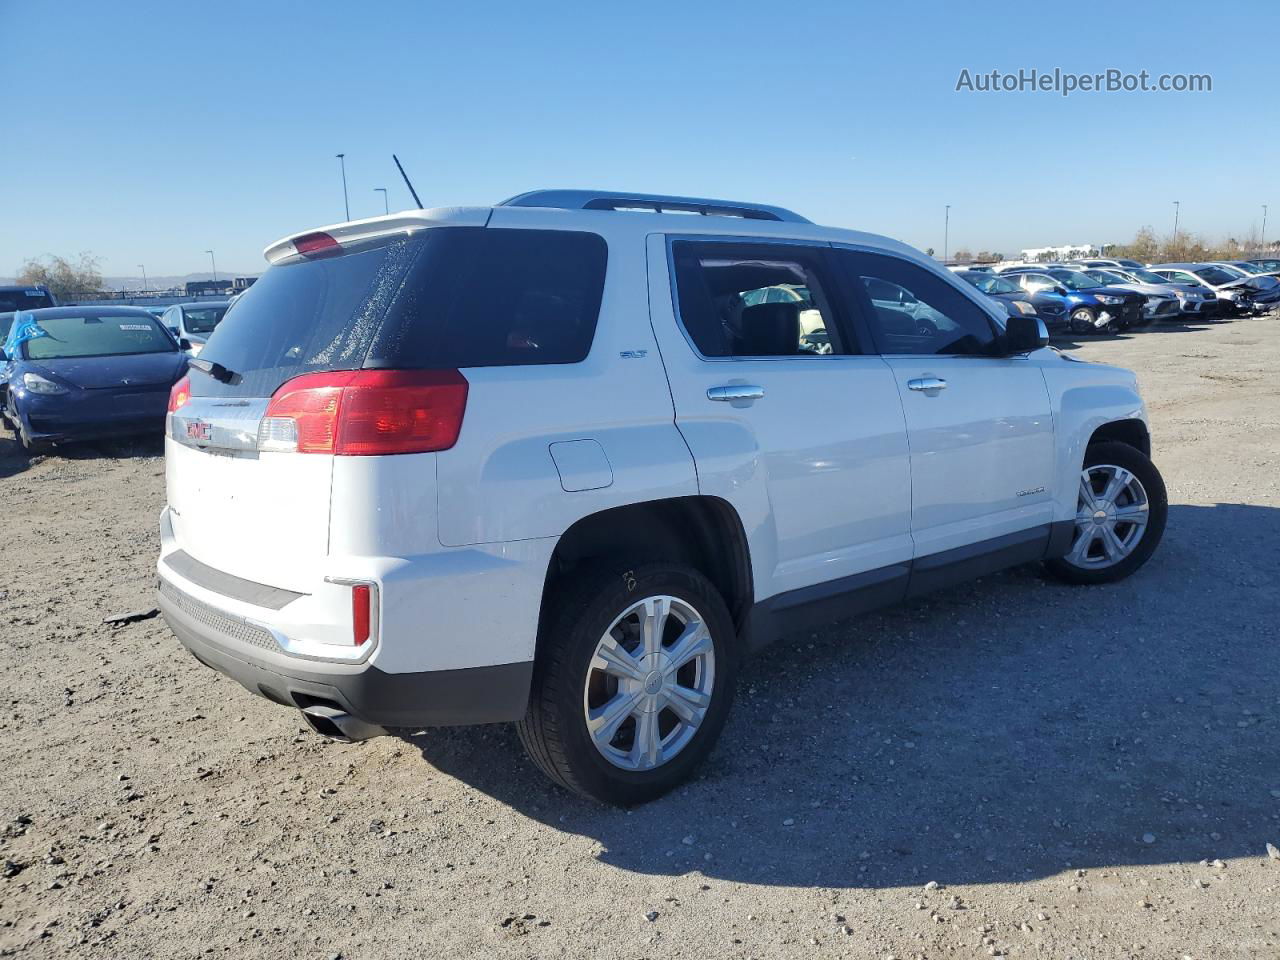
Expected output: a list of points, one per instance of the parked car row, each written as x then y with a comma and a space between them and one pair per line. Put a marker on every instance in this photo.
1084, 296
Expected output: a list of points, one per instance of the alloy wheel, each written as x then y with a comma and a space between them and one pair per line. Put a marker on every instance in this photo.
649, 683
1111, 517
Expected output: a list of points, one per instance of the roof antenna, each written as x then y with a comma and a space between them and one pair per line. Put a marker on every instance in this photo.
406, 181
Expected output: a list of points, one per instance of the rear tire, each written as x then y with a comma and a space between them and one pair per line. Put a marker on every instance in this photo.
1120, 516
600, 658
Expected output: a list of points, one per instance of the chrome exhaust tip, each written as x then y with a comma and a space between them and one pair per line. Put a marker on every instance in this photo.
337, 724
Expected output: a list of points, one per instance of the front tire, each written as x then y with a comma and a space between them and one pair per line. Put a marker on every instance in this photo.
633, 681
32, 448
1081, 320
1120, 516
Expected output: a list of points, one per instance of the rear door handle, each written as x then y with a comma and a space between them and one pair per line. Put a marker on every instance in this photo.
735, 391
927, 385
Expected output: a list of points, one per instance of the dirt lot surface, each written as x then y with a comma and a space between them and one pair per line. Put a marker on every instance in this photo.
1013, 767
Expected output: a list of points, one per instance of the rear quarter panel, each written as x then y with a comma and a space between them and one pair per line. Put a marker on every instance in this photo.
499, 483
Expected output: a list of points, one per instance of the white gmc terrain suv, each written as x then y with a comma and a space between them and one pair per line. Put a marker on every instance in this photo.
565, 460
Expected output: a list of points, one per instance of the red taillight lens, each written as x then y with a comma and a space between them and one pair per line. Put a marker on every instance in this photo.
361, 612
311, 402
179, 394
373, 412
401, 411
316, 245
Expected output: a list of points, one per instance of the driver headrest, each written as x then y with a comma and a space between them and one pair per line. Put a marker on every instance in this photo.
769, 330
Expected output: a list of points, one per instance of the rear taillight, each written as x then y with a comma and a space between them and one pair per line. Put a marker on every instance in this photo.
179, 394
315, 245
366, 412
361, 612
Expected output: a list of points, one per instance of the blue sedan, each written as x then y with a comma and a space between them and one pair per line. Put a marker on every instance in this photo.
87, 373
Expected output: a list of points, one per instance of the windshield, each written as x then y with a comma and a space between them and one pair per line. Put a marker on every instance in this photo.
91, 336
1105, 276
6, 321
1248, 267
990, 283
202, 319
32, 299
1146, 276
1218, 275
1073, 280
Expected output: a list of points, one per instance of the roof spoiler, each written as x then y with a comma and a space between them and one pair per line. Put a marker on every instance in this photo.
658, 203
357, 231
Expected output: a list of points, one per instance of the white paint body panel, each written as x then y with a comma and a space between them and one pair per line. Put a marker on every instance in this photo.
837, 470
982, 449
818, 469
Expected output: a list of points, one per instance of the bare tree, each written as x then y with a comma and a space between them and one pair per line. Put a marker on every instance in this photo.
63, 277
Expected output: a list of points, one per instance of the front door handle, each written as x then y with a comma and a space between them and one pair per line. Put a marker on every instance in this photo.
735, 391
927, 385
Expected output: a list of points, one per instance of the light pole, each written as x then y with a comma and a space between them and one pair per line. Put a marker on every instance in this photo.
345, 205
1177, 208
213, 264
946, 232
386, 207
1264, 229
144, 270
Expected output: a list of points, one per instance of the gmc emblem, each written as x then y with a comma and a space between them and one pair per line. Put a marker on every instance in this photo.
199, 430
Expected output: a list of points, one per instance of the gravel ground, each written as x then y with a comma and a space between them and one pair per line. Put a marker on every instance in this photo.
1011, 767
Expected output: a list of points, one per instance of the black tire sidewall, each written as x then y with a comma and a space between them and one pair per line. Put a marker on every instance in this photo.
594, 774
1078, 326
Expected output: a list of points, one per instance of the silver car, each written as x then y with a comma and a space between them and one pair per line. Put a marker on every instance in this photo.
1237, 292
1190, 298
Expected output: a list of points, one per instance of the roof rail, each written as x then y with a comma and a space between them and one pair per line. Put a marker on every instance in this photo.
602, 200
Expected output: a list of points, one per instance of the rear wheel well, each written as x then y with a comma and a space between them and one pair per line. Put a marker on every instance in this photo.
1132, 432
701, 532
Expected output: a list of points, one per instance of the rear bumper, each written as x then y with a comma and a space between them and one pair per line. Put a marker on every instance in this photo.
228, 644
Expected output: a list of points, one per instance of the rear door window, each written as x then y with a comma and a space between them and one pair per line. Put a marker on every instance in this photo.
445, 297
756, 300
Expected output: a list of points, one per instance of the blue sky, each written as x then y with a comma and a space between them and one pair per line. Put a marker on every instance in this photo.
151, 132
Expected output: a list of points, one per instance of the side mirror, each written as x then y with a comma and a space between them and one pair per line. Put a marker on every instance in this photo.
1060, 290
1022, 334
184, 344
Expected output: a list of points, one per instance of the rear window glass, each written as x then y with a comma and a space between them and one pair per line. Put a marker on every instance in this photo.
447, 297
202, 319
11, 300
94, 336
